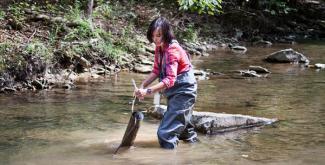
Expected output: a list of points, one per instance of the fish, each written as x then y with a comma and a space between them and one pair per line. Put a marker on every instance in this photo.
131, 130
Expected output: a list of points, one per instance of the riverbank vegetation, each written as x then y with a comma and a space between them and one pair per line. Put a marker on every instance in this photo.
43, 43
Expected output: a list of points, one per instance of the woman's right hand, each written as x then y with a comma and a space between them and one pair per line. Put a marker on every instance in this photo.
140, 93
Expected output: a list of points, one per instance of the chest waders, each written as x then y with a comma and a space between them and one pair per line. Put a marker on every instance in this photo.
176, 123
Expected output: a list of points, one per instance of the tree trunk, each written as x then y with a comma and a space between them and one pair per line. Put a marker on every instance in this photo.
90, 9
89, 12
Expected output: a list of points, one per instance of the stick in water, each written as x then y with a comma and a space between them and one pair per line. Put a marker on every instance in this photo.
133, 101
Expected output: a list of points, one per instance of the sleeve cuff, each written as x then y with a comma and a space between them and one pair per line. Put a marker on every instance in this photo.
166, 82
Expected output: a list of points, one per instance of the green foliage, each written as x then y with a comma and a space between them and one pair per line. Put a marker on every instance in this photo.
188, 34
39, 49
2, 14
4, 47
104, 10
201, 6
17, 11
74, 12
82, 31
109, 50
10, 58
53, 36
276, 7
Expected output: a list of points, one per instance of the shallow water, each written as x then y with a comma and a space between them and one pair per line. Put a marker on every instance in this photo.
85, 125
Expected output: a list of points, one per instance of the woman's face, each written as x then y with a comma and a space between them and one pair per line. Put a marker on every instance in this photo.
157, 37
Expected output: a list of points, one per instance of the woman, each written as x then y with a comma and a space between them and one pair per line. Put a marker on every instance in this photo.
176, 79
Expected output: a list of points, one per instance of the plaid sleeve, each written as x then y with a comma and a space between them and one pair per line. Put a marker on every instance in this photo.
171, 66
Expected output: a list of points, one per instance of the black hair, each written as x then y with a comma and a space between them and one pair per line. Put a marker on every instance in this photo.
164, 25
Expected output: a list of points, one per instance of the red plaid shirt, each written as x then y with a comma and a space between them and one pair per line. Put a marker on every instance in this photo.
177, 62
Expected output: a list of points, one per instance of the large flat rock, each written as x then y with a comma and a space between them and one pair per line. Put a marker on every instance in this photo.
214, 123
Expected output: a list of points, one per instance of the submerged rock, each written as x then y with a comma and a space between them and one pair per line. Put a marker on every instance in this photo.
201, 75
263, 43
213, 123
249, 73
258, 69
157, 111
317, 66
287, 56
237, 49
320, 66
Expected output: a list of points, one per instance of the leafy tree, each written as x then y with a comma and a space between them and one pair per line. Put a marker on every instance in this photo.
201, 6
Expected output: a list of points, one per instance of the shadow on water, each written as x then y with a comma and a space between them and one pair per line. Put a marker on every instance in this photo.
86, 125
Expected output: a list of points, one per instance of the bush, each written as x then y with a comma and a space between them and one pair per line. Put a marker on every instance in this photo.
40, 50
108, 50
10, 58
201, 6
104, 10
3, 52
82, 31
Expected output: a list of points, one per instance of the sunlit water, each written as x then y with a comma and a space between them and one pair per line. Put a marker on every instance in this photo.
85, 125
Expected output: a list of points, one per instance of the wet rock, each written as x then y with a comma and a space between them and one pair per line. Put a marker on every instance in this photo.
286, 56
142, 68
258, 69
217, 73
290, 38
98, 70
200, 48
284, 41
2, 81
237, 49
211, 47
9, 90
157, 111
87, 77
83, 62
213, 123
68, 85
146, 61
194, 52
111, 67
249, 73
317, 66
200, 74
37, 84
263, 43
205, 54
320, 66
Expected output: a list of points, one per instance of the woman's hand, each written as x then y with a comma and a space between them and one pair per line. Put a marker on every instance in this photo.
141, 93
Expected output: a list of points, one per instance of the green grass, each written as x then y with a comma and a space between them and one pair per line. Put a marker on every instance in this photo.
40, 50
2, 14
